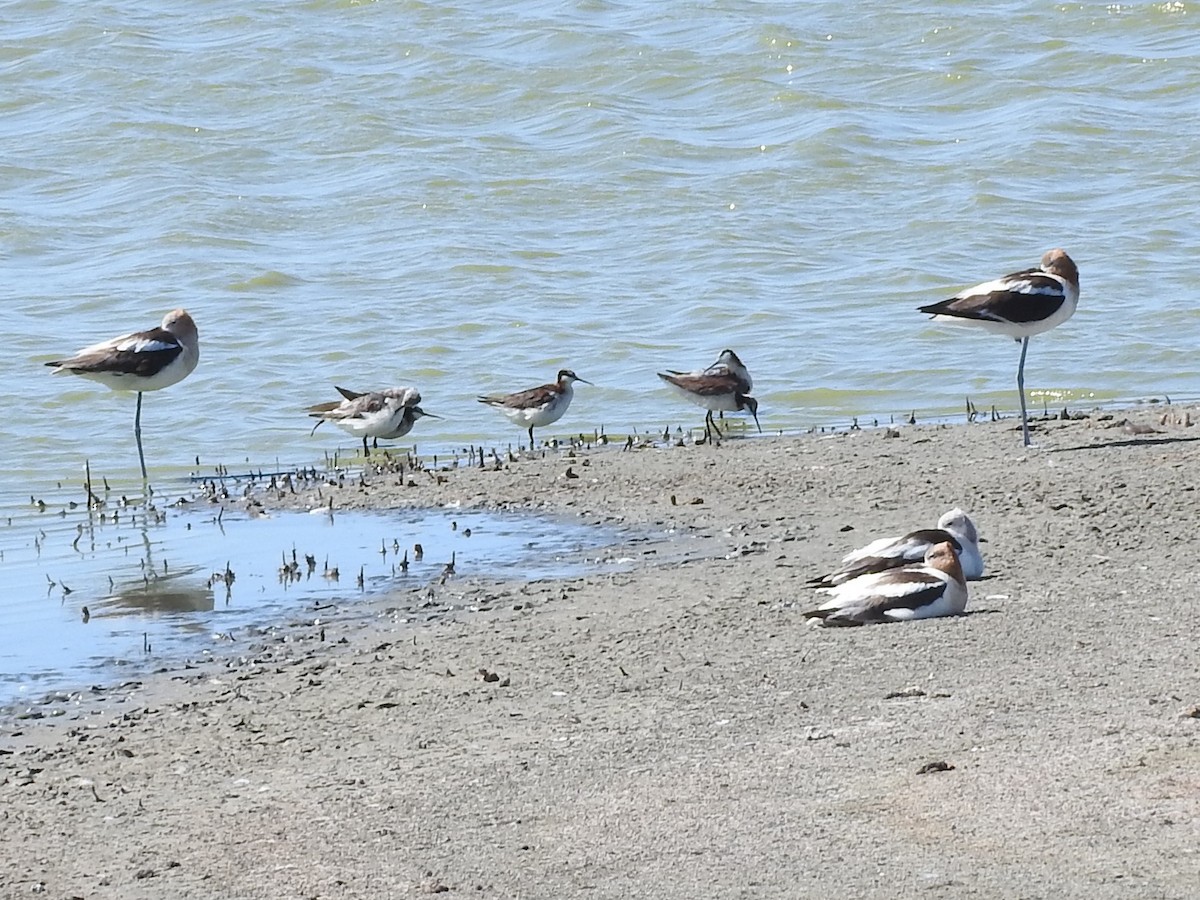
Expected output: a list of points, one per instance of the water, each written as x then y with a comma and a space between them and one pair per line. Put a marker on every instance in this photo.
95, 597
467, 197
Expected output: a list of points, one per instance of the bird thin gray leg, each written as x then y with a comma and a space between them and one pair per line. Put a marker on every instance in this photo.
137, 433
1021, 390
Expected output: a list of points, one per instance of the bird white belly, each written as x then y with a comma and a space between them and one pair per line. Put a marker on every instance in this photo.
1015, 330
385, 424
174, 372
537, 416
714, 402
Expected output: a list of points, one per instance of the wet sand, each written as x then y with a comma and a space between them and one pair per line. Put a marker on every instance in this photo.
668, 726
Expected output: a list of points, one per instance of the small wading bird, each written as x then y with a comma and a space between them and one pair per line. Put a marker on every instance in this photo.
142, 361
1019, 305
890, 553
933, 588
729, 362
387, 414
722, 387
539, 406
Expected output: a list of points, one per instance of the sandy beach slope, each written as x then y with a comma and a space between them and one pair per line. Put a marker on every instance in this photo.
669, 727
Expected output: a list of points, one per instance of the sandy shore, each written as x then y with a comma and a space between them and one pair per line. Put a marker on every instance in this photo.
670, 727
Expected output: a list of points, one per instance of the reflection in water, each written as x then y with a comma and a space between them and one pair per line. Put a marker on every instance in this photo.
160, 595
166, 584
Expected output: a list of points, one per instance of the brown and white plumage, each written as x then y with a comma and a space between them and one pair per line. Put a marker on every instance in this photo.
1019, 305
404, 396
386, 414
538, 406
722, 387
880, 555
141, 361
729, 363
932, 588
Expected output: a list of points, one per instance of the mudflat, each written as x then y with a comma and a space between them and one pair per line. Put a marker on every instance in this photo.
667, 725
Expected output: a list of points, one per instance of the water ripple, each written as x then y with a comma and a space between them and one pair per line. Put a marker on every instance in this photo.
468, 197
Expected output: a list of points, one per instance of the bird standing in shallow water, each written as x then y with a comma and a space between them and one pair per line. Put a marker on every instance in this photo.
933, 588
722, 387
386, 414
539, 406
1019, 305
141, 361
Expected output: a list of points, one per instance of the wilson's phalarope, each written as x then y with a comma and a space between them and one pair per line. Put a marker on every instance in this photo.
385, 414
722, 387
539, 406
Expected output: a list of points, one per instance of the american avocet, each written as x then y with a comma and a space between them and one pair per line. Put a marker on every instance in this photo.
890, 553
539, 406
1019, 305
722, 387
933, 588
141, 361
386, 414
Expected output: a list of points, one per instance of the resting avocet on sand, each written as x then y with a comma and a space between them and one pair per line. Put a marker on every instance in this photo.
926, 590
880, 555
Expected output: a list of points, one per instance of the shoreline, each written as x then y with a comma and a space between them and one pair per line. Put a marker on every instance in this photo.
674, 729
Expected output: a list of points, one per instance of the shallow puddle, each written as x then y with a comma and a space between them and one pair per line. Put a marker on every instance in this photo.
86, 601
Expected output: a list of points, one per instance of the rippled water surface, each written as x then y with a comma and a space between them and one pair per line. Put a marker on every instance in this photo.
466, 197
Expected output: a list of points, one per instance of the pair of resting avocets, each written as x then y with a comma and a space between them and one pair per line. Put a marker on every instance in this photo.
920, 575
1019, 305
